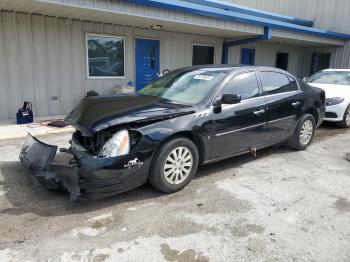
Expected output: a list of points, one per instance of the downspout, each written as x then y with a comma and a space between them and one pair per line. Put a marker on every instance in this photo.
266, 36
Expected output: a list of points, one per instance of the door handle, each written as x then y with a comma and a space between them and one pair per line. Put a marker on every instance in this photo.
296, 104
259, 112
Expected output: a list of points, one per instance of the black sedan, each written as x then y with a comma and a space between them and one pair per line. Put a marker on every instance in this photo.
188, 117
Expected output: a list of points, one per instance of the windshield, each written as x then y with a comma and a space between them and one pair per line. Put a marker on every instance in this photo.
188, 87
331, 77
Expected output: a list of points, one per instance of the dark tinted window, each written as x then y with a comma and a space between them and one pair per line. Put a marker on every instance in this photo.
319, 62
274, 83
245, 85
293, 83
203, 55
282, 60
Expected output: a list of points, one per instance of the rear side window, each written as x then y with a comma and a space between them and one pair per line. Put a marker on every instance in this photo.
293, 83
275, 83
245, 85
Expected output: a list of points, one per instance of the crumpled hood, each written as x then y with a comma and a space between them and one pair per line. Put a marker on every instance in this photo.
334, 90
97, 113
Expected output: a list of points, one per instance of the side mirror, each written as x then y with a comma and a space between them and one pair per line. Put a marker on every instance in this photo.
230, 99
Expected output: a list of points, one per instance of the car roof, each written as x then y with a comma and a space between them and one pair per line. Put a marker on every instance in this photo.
336, 70
234, 67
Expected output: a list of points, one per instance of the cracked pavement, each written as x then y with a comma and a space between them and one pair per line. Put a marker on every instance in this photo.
282, 205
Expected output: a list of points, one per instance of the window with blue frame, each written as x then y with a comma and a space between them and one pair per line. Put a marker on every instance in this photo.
247, 56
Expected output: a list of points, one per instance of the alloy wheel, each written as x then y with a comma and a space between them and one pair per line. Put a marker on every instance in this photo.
178, 165
347, 117
306, 132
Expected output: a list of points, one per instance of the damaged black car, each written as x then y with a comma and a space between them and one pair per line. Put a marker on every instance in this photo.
188, 117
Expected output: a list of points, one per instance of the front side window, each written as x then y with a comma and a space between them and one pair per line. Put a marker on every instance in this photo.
187, 87
105, 55
331, 78
245, 85
275, 83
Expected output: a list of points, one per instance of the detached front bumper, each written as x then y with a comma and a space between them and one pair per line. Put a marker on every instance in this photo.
85, 176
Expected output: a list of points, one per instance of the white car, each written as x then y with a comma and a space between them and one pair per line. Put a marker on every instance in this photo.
336, 84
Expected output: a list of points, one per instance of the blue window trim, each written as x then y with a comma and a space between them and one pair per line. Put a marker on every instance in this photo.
197, 9
247, 49
252, 11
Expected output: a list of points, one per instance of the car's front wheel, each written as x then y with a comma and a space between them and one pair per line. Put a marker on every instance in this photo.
174, 165
304, 133
346, 118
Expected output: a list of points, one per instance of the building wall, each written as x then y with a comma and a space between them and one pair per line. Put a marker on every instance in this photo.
43, 58
326, 14
331, 15
265, 55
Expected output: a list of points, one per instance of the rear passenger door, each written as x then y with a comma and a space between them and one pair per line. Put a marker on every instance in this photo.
283, 101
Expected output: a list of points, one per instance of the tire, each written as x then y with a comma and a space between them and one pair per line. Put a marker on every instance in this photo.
304, 133
166, 160
346, 118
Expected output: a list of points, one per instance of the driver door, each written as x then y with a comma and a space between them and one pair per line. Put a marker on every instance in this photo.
241, 126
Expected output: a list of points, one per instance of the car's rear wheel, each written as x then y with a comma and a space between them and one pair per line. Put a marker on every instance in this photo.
174, 165
346, 118
303, 133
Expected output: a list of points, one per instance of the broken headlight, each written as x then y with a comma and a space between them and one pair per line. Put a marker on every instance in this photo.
334, 101
118, 145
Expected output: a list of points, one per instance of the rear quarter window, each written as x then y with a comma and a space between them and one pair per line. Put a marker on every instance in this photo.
275, 83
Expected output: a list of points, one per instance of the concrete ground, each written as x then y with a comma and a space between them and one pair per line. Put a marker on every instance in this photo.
10, 130
282, 206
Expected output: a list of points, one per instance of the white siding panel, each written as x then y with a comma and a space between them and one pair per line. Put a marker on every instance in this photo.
11, 49
65, 65
25, 54
3, 77
77, 60
53, 60
39, 65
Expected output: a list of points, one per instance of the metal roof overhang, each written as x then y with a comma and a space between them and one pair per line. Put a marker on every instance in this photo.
252, 11
239, 17
204, 21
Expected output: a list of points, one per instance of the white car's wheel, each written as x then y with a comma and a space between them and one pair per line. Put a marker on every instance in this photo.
346, 118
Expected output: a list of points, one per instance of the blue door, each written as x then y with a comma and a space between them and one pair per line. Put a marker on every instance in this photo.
247, 56
146, 61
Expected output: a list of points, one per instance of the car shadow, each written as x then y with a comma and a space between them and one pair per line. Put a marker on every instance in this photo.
26, 195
